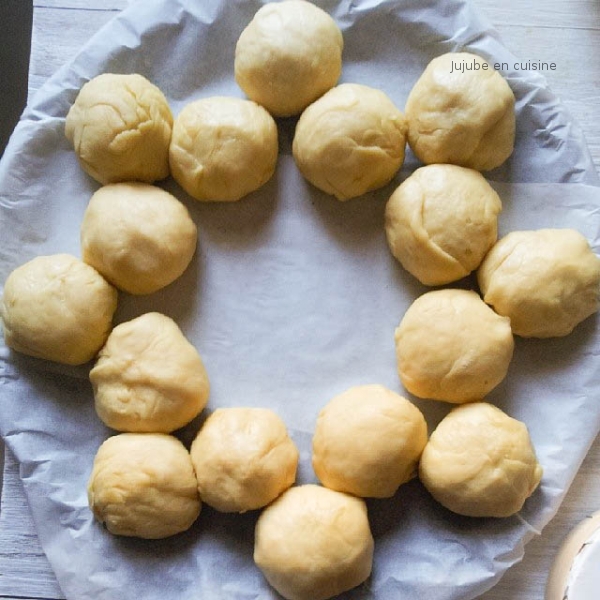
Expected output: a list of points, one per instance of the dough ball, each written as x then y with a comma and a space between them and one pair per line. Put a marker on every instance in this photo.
459, 116
479, 462
143, 485
120, 127
441, 221
547, 281
57, 308
288, 56
451, 346
368, 441
243, 458
313, 543
223, 148
138, 236
148, 377
350, 141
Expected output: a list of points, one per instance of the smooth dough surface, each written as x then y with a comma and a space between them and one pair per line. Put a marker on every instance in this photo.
223, 148
463, 118
368, 441
148, 377
441, 221
479, 462
547, 281
350, 141
120, 127
58, 308
313, 543
143, 485
451, 346
243, 458
138, 236
289, 55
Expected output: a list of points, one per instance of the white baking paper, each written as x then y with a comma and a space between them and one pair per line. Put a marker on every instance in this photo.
292, 298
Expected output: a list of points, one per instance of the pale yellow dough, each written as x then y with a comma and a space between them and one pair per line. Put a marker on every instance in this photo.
479, 462
313, 543
148, 377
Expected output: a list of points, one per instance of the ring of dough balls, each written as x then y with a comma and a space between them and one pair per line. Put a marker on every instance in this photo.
243, 459
547, 281
223, 148
57, 308
441, 221
452, 347
368, 441
143, 485
479, 462
313, 543
350, 141
148, 377
462, 117
120, 127
289, 55
138, 236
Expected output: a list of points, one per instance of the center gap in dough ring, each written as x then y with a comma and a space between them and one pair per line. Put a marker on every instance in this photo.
223, 148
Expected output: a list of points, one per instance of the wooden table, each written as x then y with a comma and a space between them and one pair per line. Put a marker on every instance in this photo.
566, 32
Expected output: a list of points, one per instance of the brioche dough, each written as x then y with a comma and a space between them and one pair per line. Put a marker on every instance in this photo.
464, 118
288, 56
143, 485
57, 308
148, 377
441, 221
120, 127
368, 441
313, 543
479, 462
547, 281
451, 346
223, 148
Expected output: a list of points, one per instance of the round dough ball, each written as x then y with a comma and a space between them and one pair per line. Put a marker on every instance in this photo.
350, 141
120, 127
441, 221
243, 458
143, 485
459, 116
288, 56
479, 462
223, 148
451, 346
57, 308
138, 236
313, 543
368, 441
547, 281
148, 377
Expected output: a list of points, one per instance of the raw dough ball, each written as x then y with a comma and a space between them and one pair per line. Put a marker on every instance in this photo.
350, 141
464, 118
368, 441
243, 458
441, 221
223, 148
148, 377
451, 346
479, 462
288, 56
120, 127
547, 281
313, 543
57, 308
143, 485
138, 236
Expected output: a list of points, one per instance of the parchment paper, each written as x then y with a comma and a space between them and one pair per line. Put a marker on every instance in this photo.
292, 298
